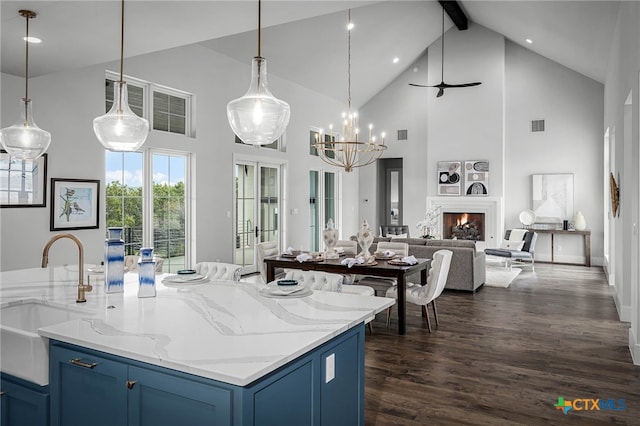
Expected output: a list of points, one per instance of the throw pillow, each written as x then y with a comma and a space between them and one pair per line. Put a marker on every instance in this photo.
512, 245
393, 237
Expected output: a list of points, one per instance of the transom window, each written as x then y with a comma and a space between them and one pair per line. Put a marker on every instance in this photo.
167, 109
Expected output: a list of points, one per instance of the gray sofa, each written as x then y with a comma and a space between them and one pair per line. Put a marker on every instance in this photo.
467, 271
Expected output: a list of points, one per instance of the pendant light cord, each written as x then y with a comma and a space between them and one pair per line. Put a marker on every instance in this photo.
121, 40
349, 64
26, 66
259, 25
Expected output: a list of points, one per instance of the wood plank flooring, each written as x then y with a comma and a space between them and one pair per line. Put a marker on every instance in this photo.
504, 356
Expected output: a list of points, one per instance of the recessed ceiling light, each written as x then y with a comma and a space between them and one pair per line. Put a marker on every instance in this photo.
396, 60
528, 40
350, 26
31, 39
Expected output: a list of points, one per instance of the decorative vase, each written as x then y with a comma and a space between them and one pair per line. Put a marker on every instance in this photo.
146, 273
330, 236
114, 261
365, 239
579, 222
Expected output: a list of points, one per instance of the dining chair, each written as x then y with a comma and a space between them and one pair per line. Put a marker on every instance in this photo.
219, 271
428, 293
266, 249
350, 250
381, 284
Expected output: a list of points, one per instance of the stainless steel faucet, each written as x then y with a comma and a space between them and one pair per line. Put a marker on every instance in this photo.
82, 288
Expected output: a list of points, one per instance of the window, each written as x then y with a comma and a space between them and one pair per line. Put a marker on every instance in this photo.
168, 111
135, 95
323, 204
146, 195
314, 134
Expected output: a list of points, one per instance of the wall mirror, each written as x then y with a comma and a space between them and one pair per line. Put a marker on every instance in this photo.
23, 183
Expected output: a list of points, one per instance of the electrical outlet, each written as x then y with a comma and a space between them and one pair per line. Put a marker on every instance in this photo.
330, 368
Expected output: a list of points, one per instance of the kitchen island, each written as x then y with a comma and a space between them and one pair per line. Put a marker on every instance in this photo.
215, 353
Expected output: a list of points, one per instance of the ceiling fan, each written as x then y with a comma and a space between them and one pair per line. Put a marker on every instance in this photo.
442, 84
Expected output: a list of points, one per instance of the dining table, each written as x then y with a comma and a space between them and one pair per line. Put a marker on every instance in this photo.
390, 268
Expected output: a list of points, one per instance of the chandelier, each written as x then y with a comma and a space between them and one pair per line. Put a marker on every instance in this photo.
348, 149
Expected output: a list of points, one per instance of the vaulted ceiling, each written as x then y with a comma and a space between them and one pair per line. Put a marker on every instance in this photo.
304, 41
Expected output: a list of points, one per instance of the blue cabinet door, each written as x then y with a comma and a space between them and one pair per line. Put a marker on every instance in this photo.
342, 397
157, 399
23, 403
86, 389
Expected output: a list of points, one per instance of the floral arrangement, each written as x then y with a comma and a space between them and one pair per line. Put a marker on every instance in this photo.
429, 222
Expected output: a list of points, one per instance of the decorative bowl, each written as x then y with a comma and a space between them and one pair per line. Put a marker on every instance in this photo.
287, 282
186, 271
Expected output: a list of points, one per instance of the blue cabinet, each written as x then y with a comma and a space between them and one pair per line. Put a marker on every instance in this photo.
92, 387
23, 403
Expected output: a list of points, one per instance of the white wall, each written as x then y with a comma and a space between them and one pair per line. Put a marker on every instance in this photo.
572, 107
623, 78
66, 103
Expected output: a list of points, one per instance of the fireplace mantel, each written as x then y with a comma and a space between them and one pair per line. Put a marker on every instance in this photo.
492, 207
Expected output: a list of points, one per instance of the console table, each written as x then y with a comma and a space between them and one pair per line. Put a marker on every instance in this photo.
586, 234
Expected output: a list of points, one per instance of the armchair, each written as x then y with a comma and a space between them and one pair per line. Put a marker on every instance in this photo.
523, 254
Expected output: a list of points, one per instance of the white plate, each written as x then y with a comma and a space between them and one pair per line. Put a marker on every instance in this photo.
285, 293
190, 279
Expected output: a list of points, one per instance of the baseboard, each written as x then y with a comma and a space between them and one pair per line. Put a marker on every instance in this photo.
624, 312
634, 348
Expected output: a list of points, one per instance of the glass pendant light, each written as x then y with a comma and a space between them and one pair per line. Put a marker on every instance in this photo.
25, 140
121, 129
258, 118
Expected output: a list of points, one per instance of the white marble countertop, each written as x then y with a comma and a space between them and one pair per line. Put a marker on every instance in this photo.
221, 330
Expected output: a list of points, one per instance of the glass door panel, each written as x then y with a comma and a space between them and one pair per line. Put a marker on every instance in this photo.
257, 206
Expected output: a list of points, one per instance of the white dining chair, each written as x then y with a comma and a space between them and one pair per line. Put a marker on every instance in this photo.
428, 293
219, 271
266, 249
381, 284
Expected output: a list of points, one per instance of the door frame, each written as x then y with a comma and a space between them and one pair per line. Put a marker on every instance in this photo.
259, 160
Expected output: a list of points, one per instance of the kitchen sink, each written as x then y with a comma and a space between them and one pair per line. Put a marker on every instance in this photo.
24, 353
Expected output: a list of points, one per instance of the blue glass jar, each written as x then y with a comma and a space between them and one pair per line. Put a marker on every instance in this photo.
114, 261
146, 273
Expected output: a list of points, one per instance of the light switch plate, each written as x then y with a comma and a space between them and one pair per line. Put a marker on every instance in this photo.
330, 370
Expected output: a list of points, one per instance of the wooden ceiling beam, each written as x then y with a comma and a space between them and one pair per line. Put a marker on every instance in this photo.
455, 12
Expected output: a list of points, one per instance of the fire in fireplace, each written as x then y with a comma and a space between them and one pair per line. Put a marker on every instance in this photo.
463, 226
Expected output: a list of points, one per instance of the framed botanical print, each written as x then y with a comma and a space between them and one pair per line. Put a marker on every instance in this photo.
75, 204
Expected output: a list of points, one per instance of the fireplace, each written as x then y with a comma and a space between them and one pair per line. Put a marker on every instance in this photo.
463, 226
491, 207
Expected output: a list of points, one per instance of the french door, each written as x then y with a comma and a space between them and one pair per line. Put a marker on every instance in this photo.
257, 207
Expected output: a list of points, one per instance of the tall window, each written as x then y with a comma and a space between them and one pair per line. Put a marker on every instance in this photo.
323, 204
146, 195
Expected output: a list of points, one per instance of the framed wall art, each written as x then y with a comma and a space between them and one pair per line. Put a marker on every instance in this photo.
23, 183
75, 204
449, 177
476, 178
552, 197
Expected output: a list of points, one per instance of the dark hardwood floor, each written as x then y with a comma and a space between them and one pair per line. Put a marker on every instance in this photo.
504, 356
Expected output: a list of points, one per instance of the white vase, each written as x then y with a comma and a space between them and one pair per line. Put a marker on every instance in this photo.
365, 239
579, 222
330, 237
